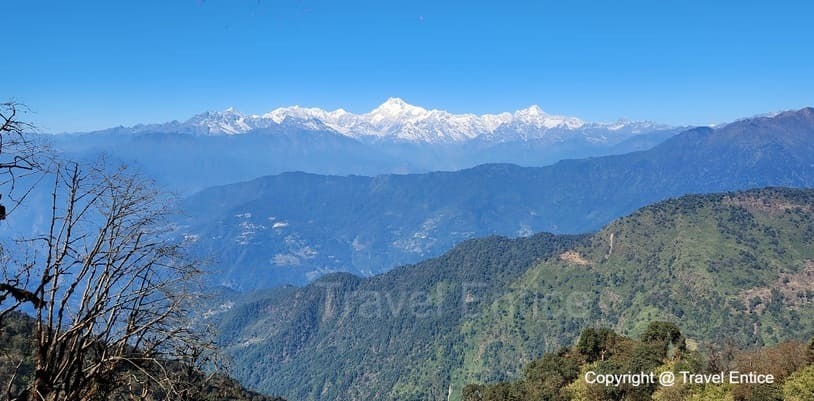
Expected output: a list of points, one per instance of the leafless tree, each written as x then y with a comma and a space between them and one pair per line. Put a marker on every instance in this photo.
20, 155
21, 151
111, 293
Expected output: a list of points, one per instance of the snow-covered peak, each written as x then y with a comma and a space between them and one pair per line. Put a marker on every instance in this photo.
532, 111
280, 114
397, 120
634, 127
229, 121
396, 108
535, 117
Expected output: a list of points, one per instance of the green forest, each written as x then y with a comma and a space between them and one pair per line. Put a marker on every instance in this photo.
561, 375
731, 268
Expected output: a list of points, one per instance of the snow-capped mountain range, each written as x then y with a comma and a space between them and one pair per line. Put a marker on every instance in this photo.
395, 137
396, 120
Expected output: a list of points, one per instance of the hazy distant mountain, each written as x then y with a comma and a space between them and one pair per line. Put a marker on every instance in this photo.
185, 163
293, 227
224, 147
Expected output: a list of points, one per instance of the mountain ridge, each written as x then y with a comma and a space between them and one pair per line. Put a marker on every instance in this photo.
397, 120
314, 224
393, 138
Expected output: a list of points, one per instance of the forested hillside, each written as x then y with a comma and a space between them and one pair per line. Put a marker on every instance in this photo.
344, 337
730, 268
565, 374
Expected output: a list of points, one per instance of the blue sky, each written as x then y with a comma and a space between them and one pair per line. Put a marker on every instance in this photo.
83, 65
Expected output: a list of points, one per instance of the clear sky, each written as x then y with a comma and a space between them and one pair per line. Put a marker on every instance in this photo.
83, 65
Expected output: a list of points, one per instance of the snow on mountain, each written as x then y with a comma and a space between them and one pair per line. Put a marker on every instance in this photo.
396, 120
229, 121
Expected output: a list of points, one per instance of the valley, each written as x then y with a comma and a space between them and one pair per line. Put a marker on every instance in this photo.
490, 306
294, 227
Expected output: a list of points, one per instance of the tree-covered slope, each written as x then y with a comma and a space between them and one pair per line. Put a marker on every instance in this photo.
570, 373
727, 267
293, 227
395, 335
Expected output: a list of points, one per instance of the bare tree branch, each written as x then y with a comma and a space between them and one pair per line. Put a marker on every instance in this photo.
110, 293
113, 293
